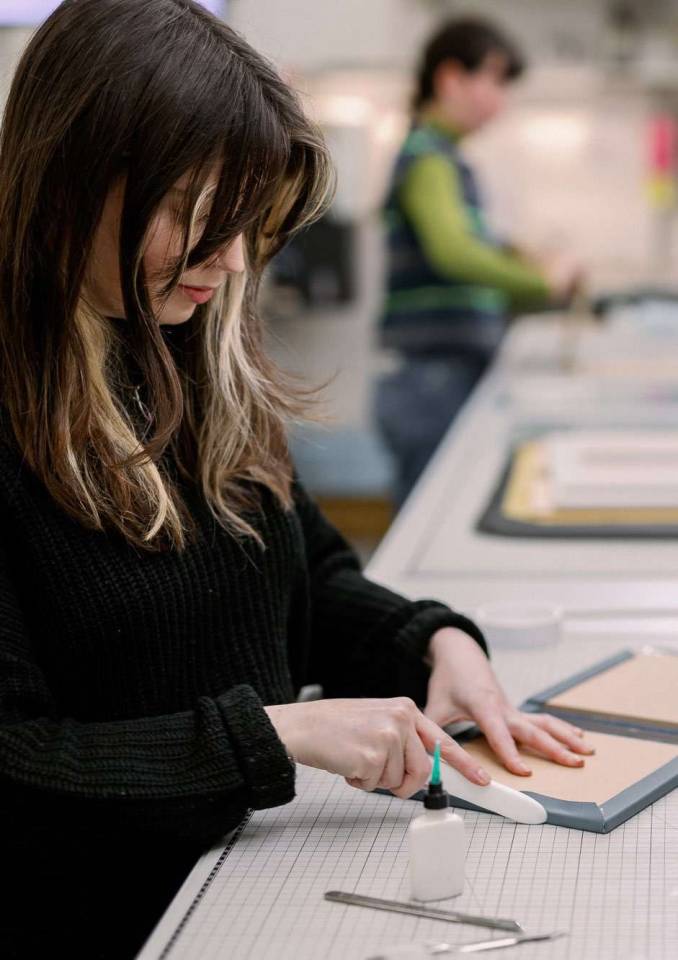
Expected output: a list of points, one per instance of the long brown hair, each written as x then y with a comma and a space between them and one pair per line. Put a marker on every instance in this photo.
149, 92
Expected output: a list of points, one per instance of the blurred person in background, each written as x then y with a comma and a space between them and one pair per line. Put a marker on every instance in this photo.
451, 285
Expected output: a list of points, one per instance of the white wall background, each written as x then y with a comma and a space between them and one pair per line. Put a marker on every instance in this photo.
312, 35
12, 42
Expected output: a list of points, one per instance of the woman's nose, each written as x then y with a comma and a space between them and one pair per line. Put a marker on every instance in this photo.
232, 258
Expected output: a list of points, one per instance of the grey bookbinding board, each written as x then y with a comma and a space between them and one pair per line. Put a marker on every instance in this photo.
604, 817
494, 521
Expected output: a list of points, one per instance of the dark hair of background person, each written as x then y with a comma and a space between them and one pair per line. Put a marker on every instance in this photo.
145, 93
468, 42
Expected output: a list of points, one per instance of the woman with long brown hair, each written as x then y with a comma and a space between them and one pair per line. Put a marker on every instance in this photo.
166, 586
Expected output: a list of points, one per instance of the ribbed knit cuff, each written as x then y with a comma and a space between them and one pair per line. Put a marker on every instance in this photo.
429, 616
260, 753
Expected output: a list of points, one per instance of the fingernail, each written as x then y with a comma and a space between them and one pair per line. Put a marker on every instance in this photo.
523, 767
482, 776
574, 759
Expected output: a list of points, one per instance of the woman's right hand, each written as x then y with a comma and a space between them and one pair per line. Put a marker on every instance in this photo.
371, 743
563, 274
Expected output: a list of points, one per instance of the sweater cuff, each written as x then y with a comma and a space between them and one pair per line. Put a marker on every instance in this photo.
429, 616
265, 767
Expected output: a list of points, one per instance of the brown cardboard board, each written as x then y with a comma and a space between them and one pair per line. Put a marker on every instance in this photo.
636, 761
618, 763
643, 689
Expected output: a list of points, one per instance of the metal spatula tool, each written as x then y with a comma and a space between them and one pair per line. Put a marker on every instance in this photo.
414, 951
421, 910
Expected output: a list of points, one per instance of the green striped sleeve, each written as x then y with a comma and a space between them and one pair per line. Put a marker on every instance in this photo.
432, 201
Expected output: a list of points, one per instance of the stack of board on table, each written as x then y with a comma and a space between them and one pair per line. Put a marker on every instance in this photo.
589, 483
611, 470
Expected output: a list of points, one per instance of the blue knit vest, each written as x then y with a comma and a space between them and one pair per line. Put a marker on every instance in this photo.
424, 312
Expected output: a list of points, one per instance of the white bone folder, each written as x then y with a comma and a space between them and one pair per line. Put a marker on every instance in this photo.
495, 797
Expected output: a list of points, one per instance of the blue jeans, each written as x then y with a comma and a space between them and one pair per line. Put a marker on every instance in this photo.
415, 406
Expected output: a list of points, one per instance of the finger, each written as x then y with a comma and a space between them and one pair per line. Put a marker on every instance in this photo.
442, 712
436, 709
393, 773
498, 735
571, 736
368, 783
544, 744
357, 783
416, 769
369, 770
450, 751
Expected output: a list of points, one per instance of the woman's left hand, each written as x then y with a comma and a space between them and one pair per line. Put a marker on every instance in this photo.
463, 686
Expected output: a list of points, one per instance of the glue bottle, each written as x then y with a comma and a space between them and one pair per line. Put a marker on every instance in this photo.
436, 841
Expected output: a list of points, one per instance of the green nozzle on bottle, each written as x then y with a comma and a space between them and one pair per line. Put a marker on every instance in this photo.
435, 773
436, 797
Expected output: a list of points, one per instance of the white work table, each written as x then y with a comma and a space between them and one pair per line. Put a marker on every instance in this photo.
259, 895
434, 549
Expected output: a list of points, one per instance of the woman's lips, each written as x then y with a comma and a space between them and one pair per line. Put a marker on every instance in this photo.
197, 294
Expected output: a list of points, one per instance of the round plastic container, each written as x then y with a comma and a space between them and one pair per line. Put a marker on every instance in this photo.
519, 625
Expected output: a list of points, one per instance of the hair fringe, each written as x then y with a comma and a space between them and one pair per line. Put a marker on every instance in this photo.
219, 408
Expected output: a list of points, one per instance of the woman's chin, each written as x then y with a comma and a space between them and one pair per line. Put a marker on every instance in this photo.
173, 316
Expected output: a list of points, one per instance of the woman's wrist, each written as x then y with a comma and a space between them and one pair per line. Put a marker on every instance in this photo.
286, 723
441, 641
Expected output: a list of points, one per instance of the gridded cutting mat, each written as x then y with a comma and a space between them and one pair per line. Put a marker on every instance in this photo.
261, 897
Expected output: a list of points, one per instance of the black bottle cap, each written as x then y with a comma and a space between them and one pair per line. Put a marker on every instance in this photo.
436, 797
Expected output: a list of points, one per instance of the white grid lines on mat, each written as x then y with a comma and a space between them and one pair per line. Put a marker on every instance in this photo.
616, 894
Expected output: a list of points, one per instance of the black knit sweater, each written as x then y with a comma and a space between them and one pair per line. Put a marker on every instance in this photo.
132, 685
